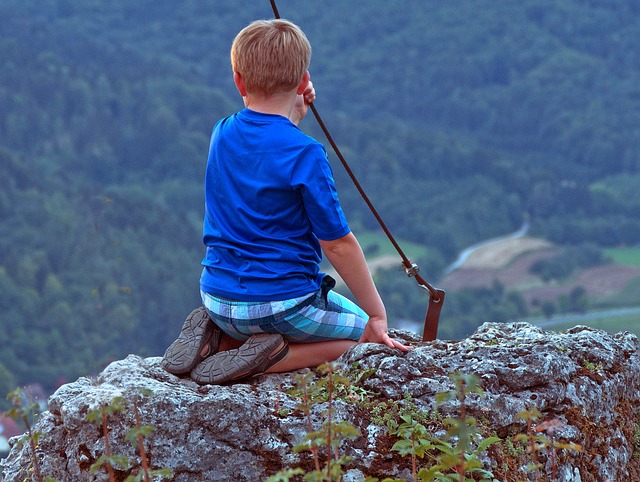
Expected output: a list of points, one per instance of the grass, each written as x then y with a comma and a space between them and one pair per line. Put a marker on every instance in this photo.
611, 323
627, 296
376, 244
607, 321
626, 256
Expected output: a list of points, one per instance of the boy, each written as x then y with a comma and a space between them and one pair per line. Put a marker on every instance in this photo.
271, 209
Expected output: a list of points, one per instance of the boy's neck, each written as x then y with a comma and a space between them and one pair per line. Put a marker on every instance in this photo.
279, 104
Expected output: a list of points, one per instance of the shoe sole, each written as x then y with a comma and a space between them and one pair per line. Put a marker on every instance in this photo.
197, 332
255, 356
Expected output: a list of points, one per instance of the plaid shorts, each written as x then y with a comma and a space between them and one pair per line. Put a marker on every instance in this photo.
321, 316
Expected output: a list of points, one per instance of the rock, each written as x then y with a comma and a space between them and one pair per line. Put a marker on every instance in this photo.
586, 381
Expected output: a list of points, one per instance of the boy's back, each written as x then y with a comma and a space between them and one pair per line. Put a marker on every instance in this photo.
271, 210
269, 195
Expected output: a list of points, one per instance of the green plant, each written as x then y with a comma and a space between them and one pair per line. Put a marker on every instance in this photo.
454, 464
636, 439
345, 385
283, 412
455, 457
99, 417
390, 412
532, 440
592, 366
285, 475
135, 436
537, 441
26, 413
414, 441
330, 435
514, 450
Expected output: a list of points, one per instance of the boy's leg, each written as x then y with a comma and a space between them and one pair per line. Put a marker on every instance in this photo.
265, 353
309, 355
318, 330
331, 317
228, 343
321, 332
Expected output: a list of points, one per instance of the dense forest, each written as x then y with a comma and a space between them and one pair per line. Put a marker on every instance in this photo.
461, 119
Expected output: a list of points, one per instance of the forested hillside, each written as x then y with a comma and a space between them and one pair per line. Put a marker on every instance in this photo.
460, 118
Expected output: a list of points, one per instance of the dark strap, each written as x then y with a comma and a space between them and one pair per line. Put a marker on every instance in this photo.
434, 308
436, 296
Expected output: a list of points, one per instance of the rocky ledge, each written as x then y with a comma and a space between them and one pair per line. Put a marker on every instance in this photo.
586, 381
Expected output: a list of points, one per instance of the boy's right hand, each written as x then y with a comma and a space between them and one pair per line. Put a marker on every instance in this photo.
375, 331
309, 94
303, 100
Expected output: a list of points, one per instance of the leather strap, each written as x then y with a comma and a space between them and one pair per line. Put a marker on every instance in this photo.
430, 331
436, 296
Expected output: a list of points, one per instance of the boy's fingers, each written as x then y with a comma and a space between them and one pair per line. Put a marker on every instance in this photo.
397, 344
310, 93
385, 339
310, 97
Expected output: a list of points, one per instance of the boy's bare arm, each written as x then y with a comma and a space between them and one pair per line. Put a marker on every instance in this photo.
346, 256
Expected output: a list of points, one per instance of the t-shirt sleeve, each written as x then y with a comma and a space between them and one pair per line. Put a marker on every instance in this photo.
313, 178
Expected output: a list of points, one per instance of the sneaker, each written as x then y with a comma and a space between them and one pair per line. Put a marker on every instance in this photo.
198, 339
254, 357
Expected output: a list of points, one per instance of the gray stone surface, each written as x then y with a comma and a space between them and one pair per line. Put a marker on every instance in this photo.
587, 379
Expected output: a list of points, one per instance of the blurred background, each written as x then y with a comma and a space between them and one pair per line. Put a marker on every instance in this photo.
500, 142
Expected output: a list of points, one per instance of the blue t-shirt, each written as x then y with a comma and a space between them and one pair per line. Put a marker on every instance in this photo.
269, 197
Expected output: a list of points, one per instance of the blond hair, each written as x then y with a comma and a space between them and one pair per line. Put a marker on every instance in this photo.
271, 55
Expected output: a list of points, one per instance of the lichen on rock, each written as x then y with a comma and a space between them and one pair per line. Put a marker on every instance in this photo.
586, 379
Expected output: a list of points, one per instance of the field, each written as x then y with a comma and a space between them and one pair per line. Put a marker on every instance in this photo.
509, 262
381, 254
613, 321
626, 256
615, 284
376, 245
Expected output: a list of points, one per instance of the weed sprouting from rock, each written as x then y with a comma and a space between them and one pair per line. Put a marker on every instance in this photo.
328, 462
25, 410
542, 437
135, 436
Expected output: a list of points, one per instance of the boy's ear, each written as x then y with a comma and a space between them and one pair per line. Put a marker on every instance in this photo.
239, 81
303, 83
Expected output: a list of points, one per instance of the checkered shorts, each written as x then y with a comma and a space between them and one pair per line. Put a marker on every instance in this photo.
321, 316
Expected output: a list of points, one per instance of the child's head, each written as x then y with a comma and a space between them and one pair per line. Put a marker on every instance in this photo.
271, 56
